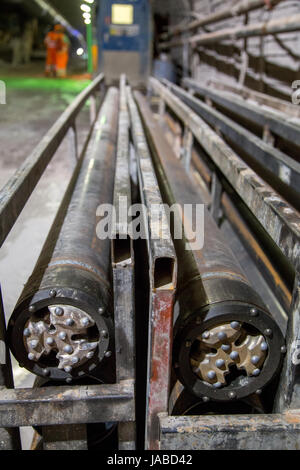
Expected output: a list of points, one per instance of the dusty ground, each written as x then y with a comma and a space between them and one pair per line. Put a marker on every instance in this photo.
33, 105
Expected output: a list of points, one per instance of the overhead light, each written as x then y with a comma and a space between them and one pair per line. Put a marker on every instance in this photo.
86, 16
87, 21
89, 1
85, 7
80, 51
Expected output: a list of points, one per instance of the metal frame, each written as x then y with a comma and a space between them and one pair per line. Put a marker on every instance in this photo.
272, 431
261, 98
62, 407
277, 122
123, 269
163, 279
281, 165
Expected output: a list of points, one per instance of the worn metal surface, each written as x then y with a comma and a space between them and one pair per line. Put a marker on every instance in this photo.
9, 438
277, 122
123, 268
281, 165
280, 221
74, 268
163, 278
67, 405
288, 393
251, 243
244, 432
281, 25
248, 353
261, 98
212, 288
73, 437
18, 189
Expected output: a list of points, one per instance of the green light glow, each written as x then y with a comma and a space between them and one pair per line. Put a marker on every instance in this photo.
64, 85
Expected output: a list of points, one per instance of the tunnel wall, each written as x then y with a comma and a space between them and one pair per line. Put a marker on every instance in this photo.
274, 61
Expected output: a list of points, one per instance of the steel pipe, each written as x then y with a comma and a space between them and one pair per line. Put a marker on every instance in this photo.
62, 325
282, 25
244, 6
227, 346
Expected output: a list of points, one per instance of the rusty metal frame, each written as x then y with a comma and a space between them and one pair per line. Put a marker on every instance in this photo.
66, 409
163, 279
243, 432
273, 431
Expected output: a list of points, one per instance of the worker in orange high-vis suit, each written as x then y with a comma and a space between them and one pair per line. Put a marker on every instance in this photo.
62, 53
51, 42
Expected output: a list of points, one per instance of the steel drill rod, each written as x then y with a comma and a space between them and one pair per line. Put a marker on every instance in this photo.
222, 323
61, 327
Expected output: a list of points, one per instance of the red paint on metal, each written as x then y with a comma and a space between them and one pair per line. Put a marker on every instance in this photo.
161, 354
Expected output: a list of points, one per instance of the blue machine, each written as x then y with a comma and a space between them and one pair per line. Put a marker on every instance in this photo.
125, 39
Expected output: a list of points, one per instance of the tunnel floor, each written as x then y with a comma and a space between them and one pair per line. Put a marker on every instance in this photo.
33, 105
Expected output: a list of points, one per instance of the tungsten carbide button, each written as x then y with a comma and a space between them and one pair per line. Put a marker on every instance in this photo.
62, 335
75, 360
104, 334
225, 347
46, 372
222, 335
100, 310
264, 346
211, 374
70, 322
52, 293
255, 360
234, 355
85, 321
31, 356
283, 349
50, 341
205, 399
220, 363
108, 354
259, 391
34, 343
217, 385
26, 332
91, 354
68, 349
59, 311
205, 335
235, 325
256, 372
68, 369
32, 309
